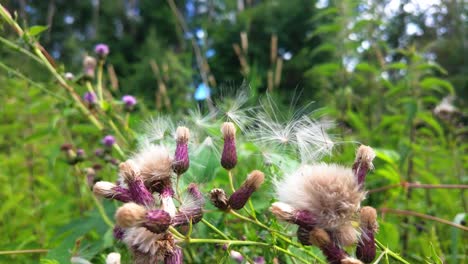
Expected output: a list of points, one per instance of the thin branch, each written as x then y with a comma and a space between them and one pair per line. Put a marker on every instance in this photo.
424, 216
24, 251
407, 185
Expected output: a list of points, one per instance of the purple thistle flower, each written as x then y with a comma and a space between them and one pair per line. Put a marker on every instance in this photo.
108, 140
259, 260
157, 221
181, 161
90, 98
365, 249
129, 101
136, 187
240, 197
102, 50
229, 155
175, 258
99, 152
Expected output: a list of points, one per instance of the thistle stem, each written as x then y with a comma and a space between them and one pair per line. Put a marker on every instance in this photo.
99, 83
219, 232
24, 251
428, 217
419, 185
231, 181
391, 253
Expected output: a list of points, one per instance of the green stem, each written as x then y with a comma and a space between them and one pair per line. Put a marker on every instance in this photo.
227, 241
89, 86
24, 251
391, 253
16, 47
102, 212
231, 181
99, 82
177, 233
287, 252
219, 232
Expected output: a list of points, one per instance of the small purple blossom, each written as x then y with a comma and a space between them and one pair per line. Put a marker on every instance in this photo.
102, 50
129, 101
108, 140
90, 98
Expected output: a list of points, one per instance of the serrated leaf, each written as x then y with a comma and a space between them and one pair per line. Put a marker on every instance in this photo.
36, 30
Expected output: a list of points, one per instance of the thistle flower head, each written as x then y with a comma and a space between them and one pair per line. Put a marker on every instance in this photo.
102, 50
113, 258
181, 157
155, 165
149, 246
329, 192
108, 141
129, 101
219, 199
320, 238
445, 108
130, 172
69, 76
240, 197
229, 155
285, 212
366, 249
236, 256
89, 65
130, 215
111, 191
191, 208
176, 257
363, 163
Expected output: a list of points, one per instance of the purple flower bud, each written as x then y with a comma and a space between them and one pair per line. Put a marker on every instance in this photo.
303, 236
90, 98
365, 249
129, 101
80, 152
108, 140
236, 256
102, 50
332, 251
99, 152
181, 161
157, 221
89, 65
240, 197
363, 163
259, 260
229, 155
118, 233
175, 258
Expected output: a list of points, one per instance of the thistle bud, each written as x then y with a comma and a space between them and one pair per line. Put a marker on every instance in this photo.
69, 76
89, 98
89, 66
218, 198
320, 238
132, 214
303, 236
363, 163
365, 249
191, 211
111, 191
108, 141
181, 159
229, 156
102, 50
129, 102
136, 187
236, 256
287, 213
240, 197
176, 257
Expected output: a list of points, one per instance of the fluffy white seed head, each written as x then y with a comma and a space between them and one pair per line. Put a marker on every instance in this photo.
129, 170
157, 129
330, 192
147, 242
130, 214
103, 189
113, 258
365, 154
346, 235
155, 163
369, 218
182, 134
228, 129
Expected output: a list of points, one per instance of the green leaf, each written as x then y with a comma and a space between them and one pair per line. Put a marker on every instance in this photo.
36, 30
433, 83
